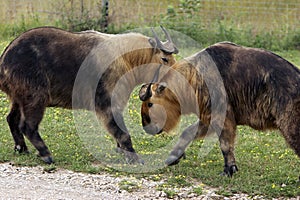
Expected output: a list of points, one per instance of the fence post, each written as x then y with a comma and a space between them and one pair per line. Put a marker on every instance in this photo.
104, 20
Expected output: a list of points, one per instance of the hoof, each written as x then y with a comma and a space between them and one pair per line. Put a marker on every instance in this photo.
174, 160
229, 171
21, 149
133, 158
119, 150
48, 159
130, 157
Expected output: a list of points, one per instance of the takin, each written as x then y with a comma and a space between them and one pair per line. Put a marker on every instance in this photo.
39, 68
225, 85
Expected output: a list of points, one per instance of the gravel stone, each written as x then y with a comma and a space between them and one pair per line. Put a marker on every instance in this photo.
34, 183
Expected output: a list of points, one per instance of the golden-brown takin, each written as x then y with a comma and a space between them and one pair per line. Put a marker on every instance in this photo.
40, 67
225, 85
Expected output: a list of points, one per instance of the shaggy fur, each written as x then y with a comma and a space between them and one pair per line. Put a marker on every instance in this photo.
258, 88
39, 68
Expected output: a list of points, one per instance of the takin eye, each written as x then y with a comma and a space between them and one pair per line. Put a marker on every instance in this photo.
165, 59
150, 105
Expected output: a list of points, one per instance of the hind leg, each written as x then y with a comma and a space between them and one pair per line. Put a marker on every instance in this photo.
227, 139
293, 139
291, 132
29, 126
13, 120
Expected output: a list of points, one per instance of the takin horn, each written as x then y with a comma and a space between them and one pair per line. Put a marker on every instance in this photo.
145, 92
168, 46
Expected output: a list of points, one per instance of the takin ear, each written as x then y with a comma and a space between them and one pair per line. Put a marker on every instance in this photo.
160, 88
145, 92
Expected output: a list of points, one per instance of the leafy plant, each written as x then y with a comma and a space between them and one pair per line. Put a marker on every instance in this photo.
75, 16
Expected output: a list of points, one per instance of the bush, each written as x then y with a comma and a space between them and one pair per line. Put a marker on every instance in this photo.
184, 19
13, 30
75, 16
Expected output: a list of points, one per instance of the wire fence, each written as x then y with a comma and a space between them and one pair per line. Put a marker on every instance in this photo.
266, 14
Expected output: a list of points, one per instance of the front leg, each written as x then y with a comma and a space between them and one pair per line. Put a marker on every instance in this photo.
114, 123
196, 130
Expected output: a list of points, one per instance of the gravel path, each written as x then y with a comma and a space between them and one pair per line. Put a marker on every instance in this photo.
35, 183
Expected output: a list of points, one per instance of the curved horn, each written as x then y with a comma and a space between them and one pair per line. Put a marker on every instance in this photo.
145, 92
156, 74
157, 40
168, 46
167, 34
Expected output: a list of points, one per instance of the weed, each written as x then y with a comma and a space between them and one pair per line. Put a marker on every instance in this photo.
198, 190
128, 185
50, 168
170, 193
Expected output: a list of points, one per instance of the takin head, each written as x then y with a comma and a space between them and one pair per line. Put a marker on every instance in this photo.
160, 109
163, 50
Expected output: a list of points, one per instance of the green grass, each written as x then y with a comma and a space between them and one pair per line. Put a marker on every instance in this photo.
267, 166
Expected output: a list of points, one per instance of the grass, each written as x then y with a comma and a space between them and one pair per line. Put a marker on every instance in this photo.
267, 166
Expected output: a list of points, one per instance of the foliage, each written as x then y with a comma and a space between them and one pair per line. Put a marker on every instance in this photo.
184, 18
74, 16
13, 30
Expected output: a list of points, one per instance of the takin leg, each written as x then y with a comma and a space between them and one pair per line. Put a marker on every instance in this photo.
13, 120
116, 126
290, 129
227, 139
196, 130
33, 114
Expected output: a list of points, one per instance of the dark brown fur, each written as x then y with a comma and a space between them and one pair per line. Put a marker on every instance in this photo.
38, 70
258, 88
